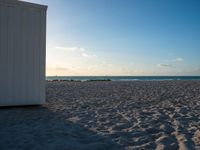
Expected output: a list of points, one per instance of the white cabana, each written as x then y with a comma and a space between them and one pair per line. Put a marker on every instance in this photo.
22, 53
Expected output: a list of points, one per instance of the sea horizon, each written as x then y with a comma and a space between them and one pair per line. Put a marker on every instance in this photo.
121, 78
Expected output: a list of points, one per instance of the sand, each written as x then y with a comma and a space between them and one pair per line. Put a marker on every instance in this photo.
107, 115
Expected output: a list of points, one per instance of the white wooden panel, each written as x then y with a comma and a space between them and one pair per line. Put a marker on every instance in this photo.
3, 53
10, 50
43, 55
22, 53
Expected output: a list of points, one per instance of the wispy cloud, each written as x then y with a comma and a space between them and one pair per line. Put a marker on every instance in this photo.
70, 48
164, 65
82, 51
61, 68
179, 59
87, 55
197, 70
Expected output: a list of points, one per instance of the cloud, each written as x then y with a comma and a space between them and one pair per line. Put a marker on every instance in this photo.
82, 49
179, 59
70, 48
197, 70
87, 55
164, 65
83, 52
61, 68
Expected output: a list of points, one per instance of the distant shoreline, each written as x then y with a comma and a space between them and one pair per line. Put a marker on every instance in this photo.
56, 80
120, 78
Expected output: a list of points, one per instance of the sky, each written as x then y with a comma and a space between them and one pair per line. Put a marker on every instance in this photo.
122, 37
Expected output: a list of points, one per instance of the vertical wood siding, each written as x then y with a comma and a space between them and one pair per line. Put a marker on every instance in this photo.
22, 54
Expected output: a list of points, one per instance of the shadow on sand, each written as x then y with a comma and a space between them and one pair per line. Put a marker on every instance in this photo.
37, 127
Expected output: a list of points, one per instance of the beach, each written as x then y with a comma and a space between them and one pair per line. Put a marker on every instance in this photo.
103, 115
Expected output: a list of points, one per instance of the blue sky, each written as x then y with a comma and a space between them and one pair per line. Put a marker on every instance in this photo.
123, 37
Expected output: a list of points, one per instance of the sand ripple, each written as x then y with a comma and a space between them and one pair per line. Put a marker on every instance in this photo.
112, 115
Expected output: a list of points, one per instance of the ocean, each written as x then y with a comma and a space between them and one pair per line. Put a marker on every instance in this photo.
122, 78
